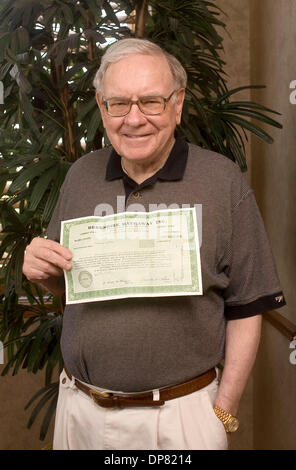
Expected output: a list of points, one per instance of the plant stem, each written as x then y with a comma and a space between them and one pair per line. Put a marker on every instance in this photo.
141, 15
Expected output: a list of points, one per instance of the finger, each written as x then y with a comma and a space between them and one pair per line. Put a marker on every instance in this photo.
38, 243
43, 268
47, 268
59, 249
55, 259
43, 252
35, 275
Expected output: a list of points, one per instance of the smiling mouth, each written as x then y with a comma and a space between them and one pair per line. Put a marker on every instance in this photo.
130, 136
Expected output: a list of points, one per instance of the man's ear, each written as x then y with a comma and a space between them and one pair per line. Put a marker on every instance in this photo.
99, 101
180, 95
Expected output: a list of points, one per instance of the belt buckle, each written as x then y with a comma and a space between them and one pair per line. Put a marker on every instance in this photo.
101, 396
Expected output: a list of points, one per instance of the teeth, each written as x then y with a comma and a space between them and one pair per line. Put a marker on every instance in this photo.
135, 136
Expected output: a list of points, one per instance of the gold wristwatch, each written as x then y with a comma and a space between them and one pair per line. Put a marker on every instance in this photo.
231, 423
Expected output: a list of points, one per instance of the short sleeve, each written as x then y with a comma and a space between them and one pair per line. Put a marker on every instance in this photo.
254, 286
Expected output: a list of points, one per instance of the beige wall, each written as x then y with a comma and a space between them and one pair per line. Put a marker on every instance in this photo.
274, 394
15, 392
273, 63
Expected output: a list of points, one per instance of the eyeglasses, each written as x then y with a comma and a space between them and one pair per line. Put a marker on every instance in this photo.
149, 105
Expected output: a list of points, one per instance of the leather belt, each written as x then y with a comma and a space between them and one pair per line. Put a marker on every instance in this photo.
111, 400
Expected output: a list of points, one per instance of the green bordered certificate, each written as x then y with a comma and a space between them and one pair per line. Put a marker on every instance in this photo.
132, 254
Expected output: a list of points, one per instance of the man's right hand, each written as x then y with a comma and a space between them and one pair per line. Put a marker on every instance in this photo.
44, 262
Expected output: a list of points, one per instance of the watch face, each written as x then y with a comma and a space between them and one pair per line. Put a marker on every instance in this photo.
233, 425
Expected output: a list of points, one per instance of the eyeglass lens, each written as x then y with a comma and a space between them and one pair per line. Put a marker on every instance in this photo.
148, 105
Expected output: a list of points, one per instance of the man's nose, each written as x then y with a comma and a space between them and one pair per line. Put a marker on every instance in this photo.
135, 117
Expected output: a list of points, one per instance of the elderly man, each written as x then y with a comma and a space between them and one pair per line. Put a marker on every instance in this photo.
140, 373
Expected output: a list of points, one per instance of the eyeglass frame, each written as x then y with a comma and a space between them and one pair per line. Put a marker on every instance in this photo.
131, 102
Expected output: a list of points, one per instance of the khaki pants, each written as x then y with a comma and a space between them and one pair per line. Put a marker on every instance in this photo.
186, 423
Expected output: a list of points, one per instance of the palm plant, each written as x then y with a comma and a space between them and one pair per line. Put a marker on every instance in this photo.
49, 53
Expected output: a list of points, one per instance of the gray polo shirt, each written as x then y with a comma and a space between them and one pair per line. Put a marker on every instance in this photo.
144, 343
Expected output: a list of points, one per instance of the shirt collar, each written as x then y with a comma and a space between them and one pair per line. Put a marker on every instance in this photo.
172, 170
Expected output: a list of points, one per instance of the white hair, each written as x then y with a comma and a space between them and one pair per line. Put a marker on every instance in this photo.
131, 46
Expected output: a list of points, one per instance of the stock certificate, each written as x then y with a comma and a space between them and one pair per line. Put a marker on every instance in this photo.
132, 254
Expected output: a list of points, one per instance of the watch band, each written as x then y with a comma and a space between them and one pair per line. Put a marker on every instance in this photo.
230, 422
